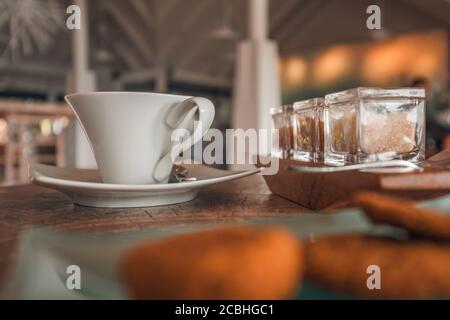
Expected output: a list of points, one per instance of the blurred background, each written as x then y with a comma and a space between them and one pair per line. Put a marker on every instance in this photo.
245, 55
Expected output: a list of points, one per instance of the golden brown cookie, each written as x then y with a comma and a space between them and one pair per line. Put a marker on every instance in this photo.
231, 263
403, 213
407, 270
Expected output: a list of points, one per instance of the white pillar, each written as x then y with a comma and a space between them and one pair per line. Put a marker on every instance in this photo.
80, 48
258, 17
81, 79
256, 86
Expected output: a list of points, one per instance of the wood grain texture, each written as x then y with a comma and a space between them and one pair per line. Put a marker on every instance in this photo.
27, 206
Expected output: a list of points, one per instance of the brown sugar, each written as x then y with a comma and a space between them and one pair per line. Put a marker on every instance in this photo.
286, 138
305, 133
388, 132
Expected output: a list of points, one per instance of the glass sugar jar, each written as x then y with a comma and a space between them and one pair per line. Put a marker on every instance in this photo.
375, 124
309, 129
283, 142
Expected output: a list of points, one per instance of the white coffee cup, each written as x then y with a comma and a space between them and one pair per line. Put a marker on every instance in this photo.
130, 132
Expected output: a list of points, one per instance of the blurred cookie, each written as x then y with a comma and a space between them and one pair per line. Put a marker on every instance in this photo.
407, 270
231, 263
403, 213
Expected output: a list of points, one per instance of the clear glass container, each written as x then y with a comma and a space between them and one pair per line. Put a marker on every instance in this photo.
282, 121
375, 124
308, 130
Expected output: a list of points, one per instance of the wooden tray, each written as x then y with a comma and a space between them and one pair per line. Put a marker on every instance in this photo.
318, 191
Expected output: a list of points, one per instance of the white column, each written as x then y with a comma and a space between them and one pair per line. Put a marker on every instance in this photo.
258, 17
81, 79
256, 86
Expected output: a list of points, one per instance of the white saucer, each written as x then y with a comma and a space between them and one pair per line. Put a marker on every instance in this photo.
85, 188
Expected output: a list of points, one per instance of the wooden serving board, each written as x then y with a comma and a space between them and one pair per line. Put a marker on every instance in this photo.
319, 191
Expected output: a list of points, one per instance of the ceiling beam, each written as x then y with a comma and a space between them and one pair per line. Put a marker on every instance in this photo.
122, 47
186, 58
185, 75
139, 76
144, 12
196, 16
297, 21
278, 17
164, 9
177, 74
133, 31
220, 64
128, 56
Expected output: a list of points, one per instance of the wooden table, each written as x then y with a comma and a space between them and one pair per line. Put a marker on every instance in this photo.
29, 205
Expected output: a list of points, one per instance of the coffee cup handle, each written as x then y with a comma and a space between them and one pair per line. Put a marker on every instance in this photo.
206, 117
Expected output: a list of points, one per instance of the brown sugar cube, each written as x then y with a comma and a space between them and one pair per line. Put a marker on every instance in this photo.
231, 263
